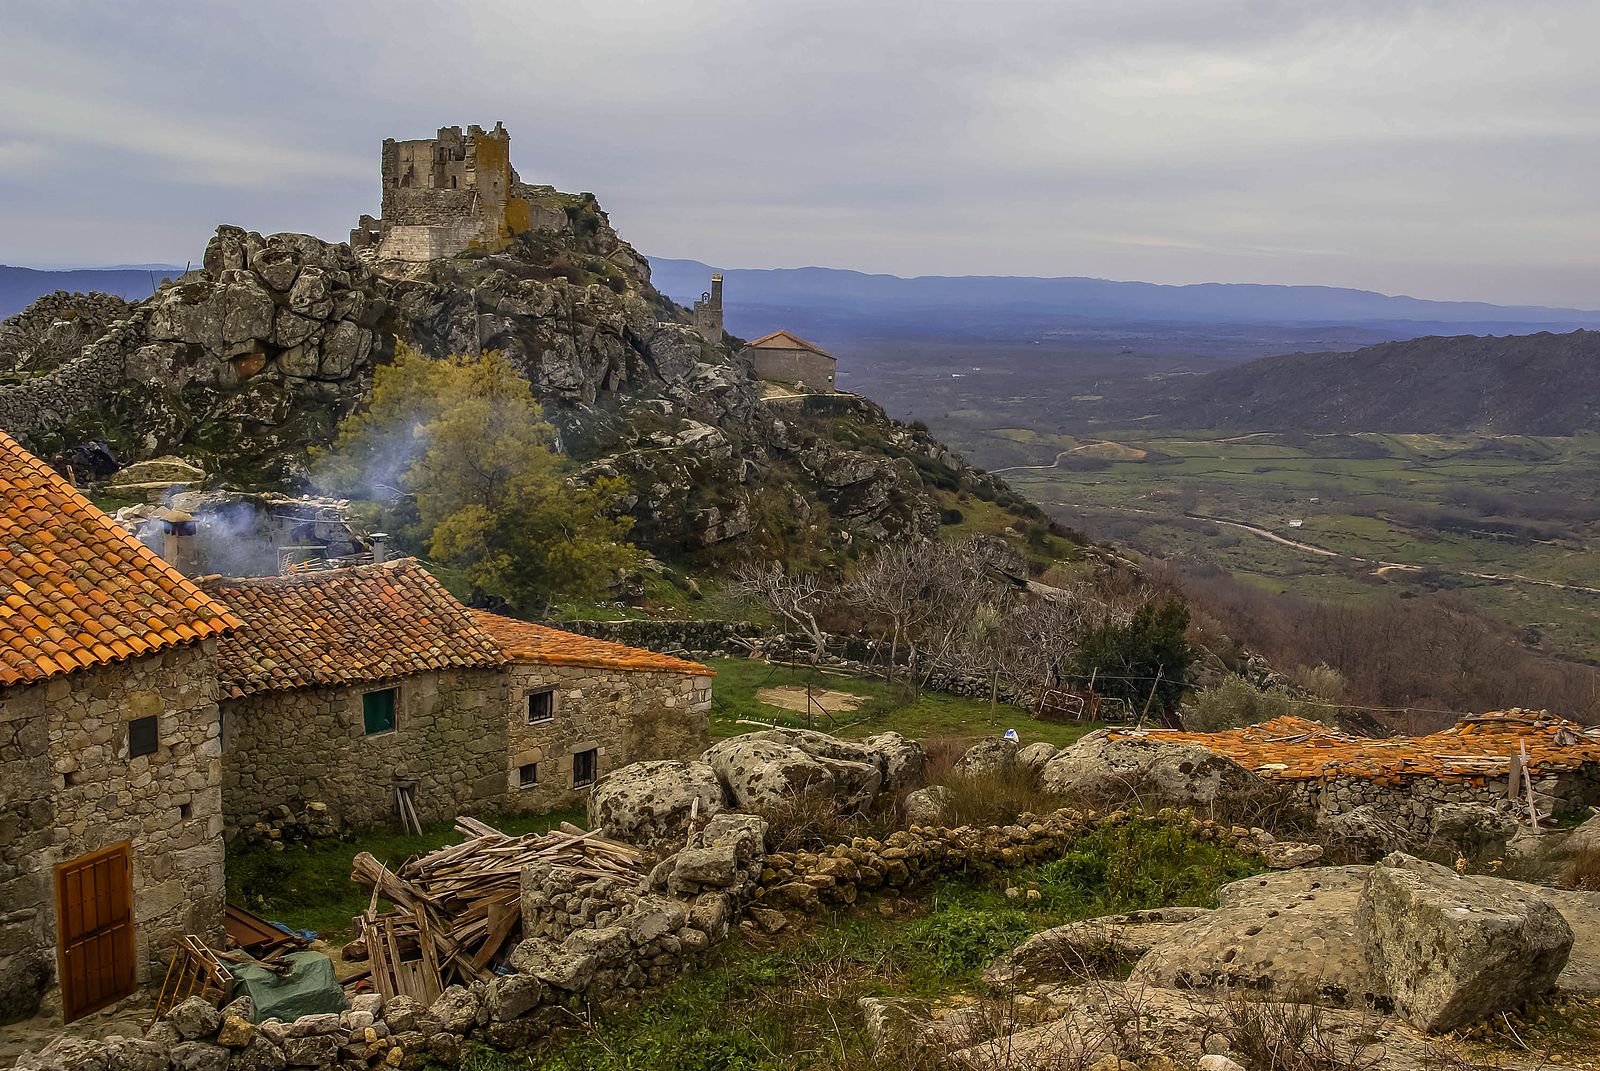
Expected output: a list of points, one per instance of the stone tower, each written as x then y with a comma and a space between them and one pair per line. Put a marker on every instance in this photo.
708, 310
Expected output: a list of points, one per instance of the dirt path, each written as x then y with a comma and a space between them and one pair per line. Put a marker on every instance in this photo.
1382, 566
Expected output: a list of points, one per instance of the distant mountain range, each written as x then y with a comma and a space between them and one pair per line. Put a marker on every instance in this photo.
1538, 384
20, 287
832, 300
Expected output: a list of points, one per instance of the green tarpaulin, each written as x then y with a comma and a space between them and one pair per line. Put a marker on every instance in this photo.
309, 987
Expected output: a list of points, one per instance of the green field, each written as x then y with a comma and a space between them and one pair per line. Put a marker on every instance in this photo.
1446, 506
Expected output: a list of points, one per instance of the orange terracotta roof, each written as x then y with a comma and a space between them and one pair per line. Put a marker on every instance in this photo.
77, 589
1482, 746
786, 340
344, 626
524, 641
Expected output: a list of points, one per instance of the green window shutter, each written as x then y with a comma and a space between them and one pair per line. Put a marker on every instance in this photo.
377, 711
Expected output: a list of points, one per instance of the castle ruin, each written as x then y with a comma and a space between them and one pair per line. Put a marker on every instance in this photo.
708, 310
447, 194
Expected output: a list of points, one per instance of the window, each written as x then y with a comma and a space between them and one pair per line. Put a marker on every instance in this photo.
585, 765
528, 775
143, 737
377, 711
541, 705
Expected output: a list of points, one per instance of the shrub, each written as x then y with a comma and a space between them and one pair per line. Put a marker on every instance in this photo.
958, 940
1142, 863
1236, 703
951, 515
1583, 870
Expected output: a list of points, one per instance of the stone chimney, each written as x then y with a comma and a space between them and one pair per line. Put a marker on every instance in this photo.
380, 547
178, 545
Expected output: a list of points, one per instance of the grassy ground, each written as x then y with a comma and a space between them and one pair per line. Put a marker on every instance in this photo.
790, 1002
306, 885
885, 707
1449, 504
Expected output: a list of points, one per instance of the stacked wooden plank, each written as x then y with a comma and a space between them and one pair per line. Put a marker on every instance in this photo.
459, 907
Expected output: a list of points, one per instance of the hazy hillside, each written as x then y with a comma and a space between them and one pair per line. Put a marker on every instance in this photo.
21, 287
1540, 384
831, 298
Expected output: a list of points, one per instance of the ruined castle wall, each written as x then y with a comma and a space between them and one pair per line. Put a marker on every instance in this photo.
71, 788
626, 716
792, 366
289, 748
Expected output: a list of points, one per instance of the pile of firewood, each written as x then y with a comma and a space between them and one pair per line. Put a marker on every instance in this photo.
456, 909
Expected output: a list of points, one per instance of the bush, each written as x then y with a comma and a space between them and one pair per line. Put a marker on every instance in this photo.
951, 515
1236, 703
1142, 863
961, 940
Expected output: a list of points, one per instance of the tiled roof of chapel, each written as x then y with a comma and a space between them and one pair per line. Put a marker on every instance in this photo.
786, 340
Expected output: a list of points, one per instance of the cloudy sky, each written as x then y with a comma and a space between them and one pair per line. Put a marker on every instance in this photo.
1444, 149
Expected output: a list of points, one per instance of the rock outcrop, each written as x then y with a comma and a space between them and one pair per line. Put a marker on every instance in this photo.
651, 802
1099, 768
1453, 949
245, 362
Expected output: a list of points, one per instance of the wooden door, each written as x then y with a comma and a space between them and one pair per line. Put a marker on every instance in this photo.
94, 919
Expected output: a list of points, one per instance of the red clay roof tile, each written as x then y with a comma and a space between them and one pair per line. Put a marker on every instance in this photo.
524, 641
70, 574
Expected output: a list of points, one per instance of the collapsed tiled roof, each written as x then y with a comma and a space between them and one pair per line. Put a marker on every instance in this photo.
786, 340
80, 591
1296, 749
363, 624
523, 641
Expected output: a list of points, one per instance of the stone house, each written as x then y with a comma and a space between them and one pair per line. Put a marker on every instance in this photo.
579, 707
111, 793
784, 357
345, 685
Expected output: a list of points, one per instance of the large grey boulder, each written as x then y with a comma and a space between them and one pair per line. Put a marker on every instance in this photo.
1454, 949
1363, 832
767, 769
1089, 948
195, 1018
928, 806
1099, 768
651, 802
902, 760
1474, 829
993, 756
1037, 756
1290, 936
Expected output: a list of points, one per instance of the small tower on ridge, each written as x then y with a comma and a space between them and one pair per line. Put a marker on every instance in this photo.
708, 310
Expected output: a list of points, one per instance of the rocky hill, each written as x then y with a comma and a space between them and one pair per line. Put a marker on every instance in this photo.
1542, 384
243, 364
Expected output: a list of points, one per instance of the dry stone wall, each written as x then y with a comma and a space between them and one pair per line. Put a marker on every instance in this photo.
1413, 803
72, 788
289, 748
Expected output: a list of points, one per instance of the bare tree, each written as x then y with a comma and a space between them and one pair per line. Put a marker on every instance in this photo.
896, 584
797, 599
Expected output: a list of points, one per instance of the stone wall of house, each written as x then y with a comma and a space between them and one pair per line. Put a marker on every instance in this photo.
288, 748
1410, 802
624, 716
70, 788
792, 366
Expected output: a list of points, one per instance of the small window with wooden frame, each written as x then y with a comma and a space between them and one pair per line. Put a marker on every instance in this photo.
528, 775
541, 705
378, 711
585, 767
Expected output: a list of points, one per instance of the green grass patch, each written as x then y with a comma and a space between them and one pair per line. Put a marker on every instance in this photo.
884, 707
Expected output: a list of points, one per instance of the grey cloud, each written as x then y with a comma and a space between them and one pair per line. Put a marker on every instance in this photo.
1442, 148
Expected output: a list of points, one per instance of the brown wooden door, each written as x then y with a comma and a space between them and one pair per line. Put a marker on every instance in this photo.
94, 918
